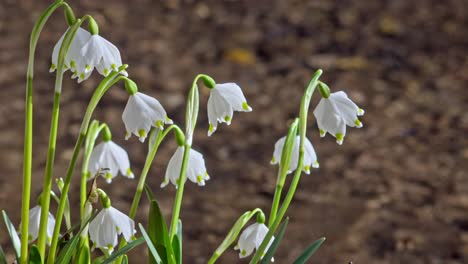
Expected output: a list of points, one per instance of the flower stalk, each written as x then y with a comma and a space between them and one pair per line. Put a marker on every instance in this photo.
305, 102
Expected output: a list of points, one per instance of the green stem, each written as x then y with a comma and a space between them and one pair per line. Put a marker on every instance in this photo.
105, 84
144, 173
69, 36
305, 102
180, 193
284, 164
191, 116
28, 129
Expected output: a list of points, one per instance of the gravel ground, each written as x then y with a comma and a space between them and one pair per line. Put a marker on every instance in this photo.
395, 192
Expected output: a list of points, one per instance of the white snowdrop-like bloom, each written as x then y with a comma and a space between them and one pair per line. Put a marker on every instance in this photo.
73, 59
35, 221
196, 170
251, 238
105, 228
101, 54
141, 113
310, 158
113, 158
336, 112
223, 101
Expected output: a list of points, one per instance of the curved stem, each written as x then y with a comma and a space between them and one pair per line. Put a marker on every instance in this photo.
180, 192
144, 173
28, 129
69, 36
105, 84
190, 124
305, 102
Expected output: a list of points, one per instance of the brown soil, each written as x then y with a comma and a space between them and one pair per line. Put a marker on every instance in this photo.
395, 192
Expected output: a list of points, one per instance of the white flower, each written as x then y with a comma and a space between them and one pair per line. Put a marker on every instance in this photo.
141, 113
101, 54
251, 238
310, 158
334, 113
73, 57
112, 158
35, 221
107, 225
196, 170
224, 100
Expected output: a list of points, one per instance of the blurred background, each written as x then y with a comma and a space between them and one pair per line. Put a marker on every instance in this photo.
396, 191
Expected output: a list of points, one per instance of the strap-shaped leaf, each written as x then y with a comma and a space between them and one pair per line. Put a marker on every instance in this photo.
274, 246
124, 250
157, 231
310, 250
68, 251
34, 255
125, 259
150, 245
178, 252
2, 256
15, 240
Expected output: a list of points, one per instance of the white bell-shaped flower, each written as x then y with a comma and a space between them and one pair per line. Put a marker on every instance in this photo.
73, 58
101, 54
35, 221
336, 112
196, 170
111, 157
105, 228
310, 158
141, 113
223, 101
251, 238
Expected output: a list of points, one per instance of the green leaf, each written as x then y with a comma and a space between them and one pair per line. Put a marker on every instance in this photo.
98, 260
124, 250
233, 233
68, 251
151, 247
13, 235
34, 255
274, 246
125, 259
177, 248
157, 231
2, 256
149, 193
178, 252
309, 251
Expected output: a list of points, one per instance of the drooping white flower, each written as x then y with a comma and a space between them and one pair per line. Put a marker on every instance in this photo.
223, 101
101, 54
73, 58
336, 112
310, 158
141, 113
110, 156
105, 228
251, 238
196, 170
35, 221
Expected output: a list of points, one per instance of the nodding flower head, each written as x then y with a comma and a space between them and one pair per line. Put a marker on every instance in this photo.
196, 170
73, 57
101, 54
105, 228
35, 221
223, 101
310, 158
336, 112
111, 156
251, 238
141, 113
